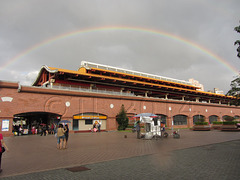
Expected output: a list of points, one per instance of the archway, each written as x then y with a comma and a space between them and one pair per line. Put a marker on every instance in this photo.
163, 118
213, 118
180, 120
34, 119
197, 118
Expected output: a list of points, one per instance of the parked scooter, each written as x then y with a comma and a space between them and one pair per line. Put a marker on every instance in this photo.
176, 134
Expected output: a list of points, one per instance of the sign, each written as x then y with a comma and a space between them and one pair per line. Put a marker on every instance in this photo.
89, 117
5, 125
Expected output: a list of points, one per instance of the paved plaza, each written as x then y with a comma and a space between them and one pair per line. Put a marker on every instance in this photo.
109, 155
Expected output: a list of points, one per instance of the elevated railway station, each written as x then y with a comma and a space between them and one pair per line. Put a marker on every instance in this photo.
95, 93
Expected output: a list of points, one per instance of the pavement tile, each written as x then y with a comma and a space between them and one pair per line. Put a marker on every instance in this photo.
108, 155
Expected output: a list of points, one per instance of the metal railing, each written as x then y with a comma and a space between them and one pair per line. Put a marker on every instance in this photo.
95, 90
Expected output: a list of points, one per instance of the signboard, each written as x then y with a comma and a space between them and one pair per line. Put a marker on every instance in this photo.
5, 125
89, 117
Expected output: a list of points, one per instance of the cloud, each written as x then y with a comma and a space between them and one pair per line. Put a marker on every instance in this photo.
209, 24
24, 78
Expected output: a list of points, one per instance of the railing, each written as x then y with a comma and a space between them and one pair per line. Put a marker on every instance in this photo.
111, 92
96, 90
111, 68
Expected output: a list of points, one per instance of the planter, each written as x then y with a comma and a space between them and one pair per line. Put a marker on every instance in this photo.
216, 126
201, 128
229, 127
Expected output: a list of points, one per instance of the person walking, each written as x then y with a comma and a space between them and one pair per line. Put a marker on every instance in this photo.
60, 137
66, 135
2, 146
138, 129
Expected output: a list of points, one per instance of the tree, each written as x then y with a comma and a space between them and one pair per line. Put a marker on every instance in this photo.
238, 41
235, 91
122, 119
235, 84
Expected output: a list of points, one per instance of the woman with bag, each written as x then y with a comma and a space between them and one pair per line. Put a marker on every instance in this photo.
3, 147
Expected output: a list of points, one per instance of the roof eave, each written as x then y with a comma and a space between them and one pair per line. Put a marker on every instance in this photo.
44, 67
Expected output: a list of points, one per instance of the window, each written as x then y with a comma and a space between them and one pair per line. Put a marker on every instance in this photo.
197, 118
88, 122
163, 118
213, 118
180, 120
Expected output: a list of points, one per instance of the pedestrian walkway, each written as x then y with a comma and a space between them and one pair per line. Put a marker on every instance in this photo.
109, 155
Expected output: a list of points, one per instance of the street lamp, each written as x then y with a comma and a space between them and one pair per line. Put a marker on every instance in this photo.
170, 109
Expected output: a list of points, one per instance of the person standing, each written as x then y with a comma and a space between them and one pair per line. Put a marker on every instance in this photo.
94, 129
66, 135
138, 129
99, 126
2, 144
52, 129
44, 129
60, 137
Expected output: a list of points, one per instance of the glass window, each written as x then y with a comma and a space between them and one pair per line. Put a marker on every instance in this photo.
163, 118
196, 118
213, 118
180, 120
88, 121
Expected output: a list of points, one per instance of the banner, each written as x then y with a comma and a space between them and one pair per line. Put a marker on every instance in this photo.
5, 125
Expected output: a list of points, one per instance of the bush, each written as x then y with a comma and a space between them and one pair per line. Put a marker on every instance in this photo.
201, 123
217, 122
201, 120
229, 122
129, 126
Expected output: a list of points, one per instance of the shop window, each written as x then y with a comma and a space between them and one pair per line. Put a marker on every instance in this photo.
88, 122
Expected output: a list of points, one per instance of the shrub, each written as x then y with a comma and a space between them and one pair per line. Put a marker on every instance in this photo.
217, 122
122, 119
229, 122
130, 126
201, 120
201, 123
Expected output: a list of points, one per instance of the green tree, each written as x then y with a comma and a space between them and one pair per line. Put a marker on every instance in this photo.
238, 41
122, 119
235, 84
235, 91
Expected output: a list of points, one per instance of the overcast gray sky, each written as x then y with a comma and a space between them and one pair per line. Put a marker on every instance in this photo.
25, 24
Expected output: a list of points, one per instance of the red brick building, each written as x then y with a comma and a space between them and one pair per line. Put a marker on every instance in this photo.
96, 93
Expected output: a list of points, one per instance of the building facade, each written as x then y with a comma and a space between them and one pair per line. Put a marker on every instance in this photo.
96, 94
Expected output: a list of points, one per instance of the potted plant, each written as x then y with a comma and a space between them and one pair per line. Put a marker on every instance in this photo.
229, 124
217, 124
201, 125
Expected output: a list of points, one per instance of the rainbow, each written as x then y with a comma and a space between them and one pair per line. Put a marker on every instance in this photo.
122, 28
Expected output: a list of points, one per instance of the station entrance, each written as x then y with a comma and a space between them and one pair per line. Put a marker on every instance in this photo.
29, 121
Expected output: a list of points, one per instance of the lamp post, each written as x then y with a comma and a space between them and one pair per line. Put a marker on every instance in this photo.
170, 109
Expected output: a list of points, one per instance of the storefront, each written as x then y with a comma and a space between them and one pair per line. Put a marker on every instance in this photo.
85, 121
